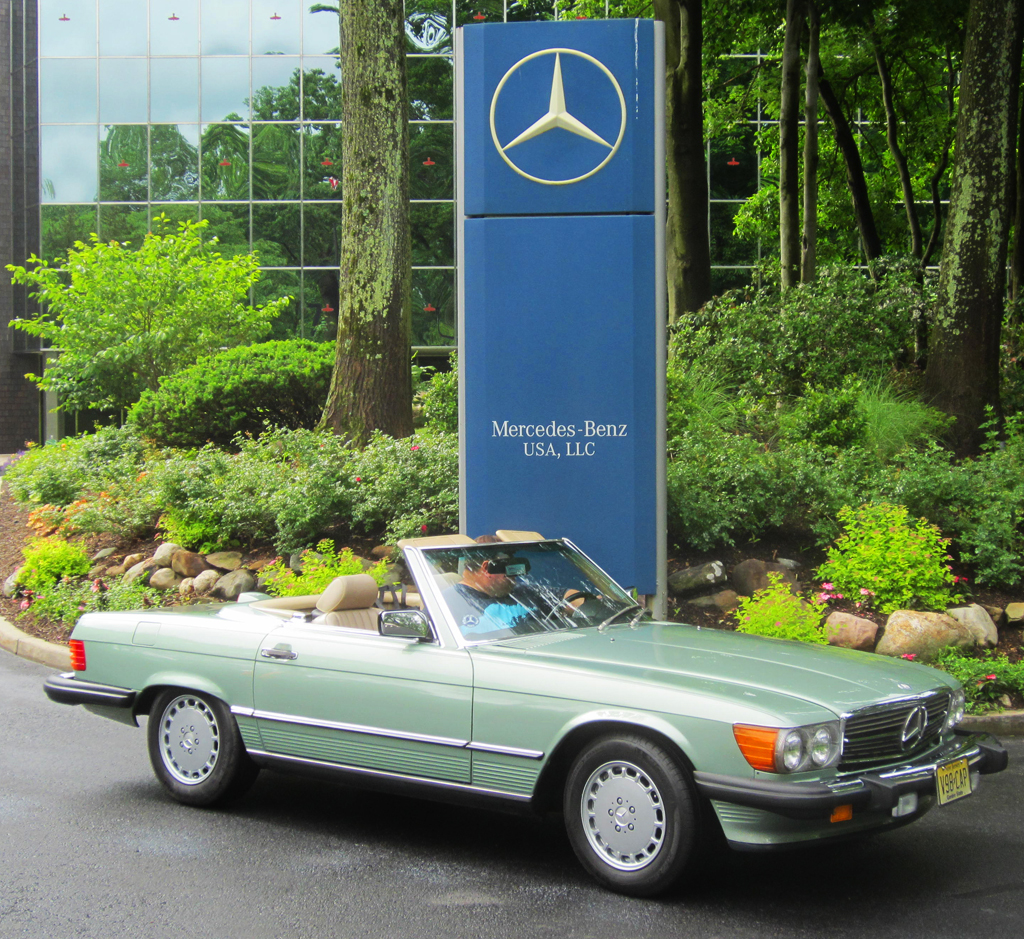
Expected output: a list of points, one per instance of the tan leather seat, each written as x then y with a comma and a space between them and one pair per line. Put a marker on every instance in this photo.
349, 601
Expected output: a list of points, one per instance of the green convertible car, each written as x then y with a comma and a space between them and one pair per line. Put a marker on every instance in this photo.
518, 673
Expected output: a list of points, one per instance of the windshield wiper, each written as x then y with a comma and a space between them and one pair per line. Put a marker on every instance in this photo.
632, 605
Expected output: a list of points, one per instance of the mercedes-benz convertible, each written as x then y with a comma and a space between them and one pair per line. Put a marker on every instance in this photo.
519, 674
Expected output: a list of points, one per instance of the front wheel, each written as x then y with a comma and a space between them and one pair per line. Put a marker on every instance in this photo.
196, 749
631, 815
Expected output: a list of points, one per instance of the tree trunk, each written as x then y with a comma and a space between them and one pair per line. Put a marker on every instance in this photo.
870, 242
898, 157
962, 377
809, 242
789, 147
688, 262
1017, 253
372, 383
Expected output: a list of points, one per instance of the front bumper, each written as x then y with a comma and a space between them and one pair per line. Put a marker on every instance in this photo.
868, 791
65, 688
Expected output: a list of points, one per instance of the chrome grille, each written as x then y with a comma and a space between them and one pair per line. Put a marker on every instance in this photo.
874, 736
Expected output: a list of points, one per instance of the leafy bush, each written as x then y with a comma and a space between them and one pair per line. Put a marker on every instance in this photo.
48, 560
892, 560
696, 400
829, 418
896, 421
238, 391
985, 679
65, 602
778, 613
319, 568
441, 399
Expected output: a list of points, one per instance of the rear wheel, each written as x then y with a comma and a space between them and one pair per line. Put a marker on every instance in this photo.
631, 814
196, 749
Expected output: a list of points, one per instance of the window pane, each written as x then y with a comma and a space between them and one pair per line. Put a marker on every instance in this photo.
174, 91
123, 93
433, 308
122, 27
433, 234
321, 88
320, 300
67, 29
275, 84
229, 224
124, 157
323, 234
276, 233
67, 90
431, 160
733, 165
174, 162
726, 248
124, 223
226, 161
430, 89
322, 158
275, 27
275, 284
68, 163
320, 33
173, 214
275, 161
225, 27
482, 11
428, 26
225, 89
63, 225
174, 27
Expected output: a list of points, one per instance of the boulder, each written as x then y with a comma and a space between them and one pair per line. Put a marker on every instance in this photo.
103, 555
205, 581
724, 600
787, 564
851, 632
225, 560
11, 584
922, 634
231, 585
187, 563
132, 559
382, 551
1015, 613
140, 571
187, 587
752, 575
998, 615
163, 578
978, 621
165, 553
692, 579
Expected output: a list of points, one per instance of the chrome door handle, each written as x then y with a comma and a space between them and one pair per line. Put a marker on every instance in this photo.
278, 654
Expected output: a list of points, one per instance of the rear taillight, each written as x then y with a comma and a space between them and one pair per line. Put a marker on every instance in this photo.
77, 648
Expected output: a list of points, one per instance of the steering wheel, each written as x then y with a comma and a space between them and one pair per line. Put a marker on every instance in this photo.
578, 594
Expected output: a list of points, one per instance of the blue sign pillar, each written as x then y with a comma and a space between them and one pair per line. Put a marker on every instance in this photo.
560, 130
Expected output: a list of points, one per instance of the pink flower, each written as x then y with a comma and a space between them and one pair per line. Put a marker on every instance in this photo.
25, 604
423, 527
414, 448
827, 586
359, 479
990, 678
867, 593
909, 656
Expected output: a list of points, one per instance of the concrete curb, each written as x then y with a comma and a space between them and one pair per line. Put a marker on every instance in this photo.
30, 647
1005, 724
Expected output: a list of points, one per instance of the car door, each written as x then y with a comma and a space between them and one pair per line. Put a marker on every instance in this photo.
355, 698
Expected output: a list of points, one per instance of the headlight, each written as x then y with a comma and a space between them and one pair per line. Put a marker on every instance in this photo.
789, 750
955, 714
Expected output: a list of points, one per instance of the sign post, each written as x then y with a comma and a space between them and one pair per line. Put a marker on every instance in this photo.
560, 130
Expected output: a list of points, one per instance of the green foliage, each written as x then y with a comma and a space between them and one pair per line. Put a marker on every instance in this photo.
319, 568
48, 560
65, 602
441, 399
896, 421
123, 318
829, 418
777, 613
238, 391
696, 400
986, 678
890, 559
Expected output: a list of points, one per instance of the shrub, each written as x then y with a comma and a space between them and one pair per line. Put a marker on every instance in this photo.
892, 560
777, 613
896, 421
48, 560
696, 400
319, 568
238, 391
828, 418
985, 679
441, 399
65, 602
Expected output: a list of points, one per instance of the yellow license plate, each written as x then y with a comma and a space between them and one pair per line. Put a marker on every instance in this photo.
953, 780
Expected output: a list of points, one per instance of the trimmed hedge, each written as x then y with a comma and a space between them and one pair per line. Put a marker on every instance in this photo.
238, 391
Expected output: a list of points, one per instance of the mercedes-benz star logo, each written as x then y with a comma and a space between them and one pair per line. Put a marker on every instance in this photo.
558, 117
913, 728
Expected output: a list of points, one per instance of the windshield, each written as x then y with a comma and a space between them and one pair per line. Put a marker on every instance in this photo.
495, 591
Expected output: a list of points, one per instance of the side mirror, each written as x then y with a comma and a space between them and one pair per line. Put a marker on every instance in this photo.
404, 624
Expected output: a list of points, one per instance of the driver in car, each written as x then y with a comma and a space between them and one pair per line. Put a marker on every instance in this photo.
484, 601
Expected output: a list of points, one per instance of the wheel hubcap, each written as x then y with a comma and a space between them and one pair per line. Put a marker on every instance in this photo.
623, 815
189, 739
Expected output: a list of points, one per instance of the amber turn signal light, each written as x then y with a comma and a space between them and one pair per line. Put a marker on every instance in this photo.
757, 744
841, 813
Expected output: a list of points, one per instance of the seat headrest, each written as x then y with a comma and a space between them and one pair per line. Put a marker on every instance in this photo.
350, 592
507, 534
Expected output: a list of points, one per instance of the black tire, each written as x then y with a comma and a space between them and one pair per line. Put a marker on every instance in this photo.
196, 749
631, 814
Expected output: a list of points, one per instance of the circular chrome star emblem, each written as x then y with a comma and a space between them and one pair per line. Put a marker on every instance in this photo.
558, 117
913, 728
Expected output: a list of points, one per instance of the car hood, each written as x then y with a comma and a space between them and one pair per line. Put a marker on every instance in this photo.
724, 664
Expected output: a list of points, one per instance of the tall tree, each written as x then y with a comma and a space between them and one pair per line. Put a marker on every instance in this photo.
371, 387
789, 147
809, 239
962, 376
687, 243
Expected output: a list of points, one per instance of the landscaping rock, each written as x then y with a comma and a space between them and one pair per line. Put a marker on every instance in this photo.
788, 565
187, 563
225, 560
1014, 613
11, 584
165, 553
116, 571
140, 571
382, 551
231, 585
692, 579
187, 587
850, 632
752, 575
922, 634
103, 555
131, 560
977, 620
724, 600
998, 615
205, 581
163, 578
